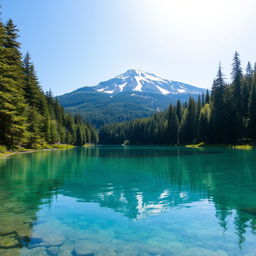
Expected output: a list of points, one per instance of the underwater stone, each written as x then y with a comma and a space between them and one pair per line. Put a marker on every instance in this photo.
38, 251
66, 249
85, 248
53, 251
52, 240
10, 252
9, 241
197, 251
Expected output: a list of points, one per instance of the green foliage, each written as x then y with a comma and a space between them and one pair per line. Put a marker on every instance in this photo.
62, 146
222, 117
12, 103
101, 108
243, 147
3, 149
195, 145
252, 112
172, 125
29, 118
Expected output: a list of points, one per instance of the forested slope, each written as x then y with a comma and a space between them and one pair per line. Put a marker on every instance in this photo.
228, 115
28, 116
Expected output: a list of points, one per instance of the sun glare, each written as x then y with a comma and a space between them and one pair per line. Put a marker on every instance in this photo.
194, 12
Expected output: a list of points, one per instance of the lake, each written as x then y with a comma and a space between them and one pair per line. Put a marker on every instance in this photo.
129, 201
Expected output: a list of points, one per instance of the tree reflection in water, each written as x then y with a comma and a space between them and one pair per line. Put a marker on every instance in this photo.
136, 182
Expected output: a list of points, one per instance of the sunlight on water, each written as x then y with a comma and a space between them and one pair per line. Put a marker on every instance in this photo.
129, 201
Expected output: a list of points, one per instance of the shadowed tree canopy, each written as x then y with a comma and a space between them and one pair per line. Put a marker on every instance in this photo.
28, 116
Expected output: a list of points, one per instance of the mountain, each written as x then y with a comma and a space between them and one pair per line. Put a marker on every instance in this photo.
135, 80
133, 94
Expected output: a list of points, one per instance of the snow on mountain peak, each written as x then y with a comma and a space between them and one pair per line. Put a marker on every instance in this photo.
136, 80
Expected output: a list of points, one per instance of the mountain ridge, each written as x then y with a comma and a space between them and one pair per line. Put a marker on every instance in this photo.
137, 80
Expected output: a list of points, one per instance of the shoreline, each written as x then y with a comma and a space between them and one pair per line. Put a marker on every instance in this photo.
234, 146
196, 146
10, 153
52, 147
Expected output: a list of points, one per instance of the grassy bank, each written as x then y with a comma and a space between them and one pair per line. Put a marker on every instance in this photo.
88, 145
202, 144
4, 152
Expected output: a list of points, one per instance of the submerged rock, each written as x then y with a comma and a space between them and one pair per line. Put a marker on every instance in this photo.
197, 251
38, 251
9, 241
10, 252
84, 249
66, 249
54, 240
53, 251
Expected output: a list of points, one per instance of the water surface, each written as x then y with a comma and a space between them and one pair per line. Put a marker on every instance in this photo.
129, 201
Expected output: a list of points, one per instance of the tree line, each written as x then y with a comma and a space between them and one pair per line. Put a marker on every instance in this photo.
227, 115
28, 116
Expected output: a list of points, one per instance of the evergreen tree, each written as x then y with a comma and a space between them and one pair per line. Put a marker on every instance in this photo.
203, 133
207, 97
198, 107
172, 128
215, 118
12, 102
237, 76
28, 117
189, 131
179, 110
33, 92
252, 113
203, 99
218, 108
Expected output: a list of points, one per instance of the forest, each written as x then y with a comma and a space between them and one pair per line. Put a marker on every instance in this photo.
226, 115
29, 117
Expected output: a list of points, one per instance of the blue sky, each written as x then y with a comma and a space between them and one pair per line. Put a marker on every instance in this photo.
74, 43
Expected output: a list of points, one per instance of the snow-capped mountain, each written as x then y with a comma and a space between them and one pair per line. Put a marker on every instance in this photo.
135, 80
133, 94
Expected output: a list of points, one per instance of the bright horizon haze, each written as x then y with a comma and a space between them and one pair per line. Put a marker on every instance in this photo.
76, 43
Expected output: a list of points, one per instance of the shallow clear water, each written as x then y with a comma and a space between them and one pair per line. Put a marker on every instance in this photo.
129, 201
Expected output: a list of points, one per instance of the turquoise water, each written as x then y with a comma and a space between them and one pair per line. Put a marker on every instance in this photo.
129, 201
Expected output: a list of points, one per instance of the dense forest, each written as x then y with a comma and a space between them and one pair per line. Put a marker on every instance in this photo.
227, 115
28, 116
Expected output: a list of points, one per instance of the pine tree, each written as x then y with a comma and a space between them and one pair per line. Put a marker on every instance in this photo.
34, 127
179, 110
213, 119
218, 108
245, 94
203, 99
249, 70
237, 76
172, 127
28, 117
54, 136
182, 136
203, 132
207, 97
12, 102
198, 107
252, 113
191, 121
33, 92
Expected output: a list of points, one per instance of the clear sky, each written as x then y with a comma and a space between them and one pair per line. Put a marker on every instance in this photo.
74, 43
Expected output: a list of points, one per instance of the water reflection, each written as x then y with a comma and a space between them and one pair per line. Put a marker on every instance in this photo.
134, 182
